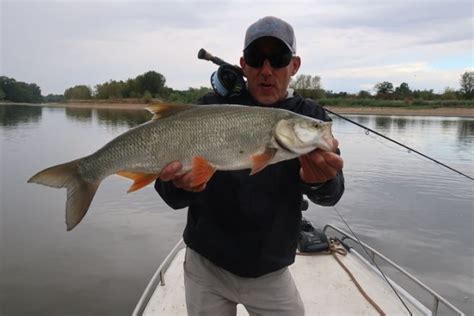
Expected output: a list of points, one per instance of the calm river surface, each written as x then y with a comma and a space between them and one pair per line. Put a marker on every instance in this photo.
419, 214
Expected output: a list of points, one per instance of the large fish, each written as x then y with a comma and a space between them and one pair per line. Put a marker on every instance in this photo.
205, 138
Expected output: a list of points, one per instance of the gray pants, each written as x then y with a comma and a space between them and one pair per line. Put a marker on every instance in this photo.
211, 290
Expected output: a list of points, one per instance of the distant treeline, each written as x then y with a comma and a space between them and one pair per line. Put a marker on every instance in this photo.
152, 86
310, 87
15, 91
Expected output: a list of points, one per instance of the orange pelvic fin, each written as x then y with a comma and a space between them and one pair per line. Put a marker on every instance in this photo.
140, 180
202, 171
262, 160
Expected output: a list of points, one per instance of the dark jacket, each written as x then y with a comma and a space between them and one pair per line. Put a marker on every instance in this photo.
249, 225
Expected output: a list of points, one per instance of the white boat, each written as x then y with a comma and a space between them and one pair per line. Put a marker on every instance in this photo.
337, 282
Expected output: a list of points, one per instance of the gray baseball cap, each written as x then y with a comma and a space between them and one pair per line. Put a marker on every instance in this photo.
274, 27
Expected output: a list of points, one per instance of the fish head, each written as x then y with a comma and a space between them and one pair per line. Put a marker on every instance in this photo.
304, 134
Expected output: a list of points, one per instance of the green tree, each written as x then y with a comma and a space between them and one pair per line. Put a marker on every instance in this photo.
80, 92
17, 91
424, 94
308, 86
449, 94
467, 84
147, 97
403, 91
187, 96
54, 98
364, 94
110, 90
384, 89
2, 94
150, 81
306, 82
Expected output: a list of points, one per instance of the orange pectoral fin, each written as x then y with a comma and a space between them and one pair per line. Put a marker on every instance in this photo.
202, 171
140, 180
262, 160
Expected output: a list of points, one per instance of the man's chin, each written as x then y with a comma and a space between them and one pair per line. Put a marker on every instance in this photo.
267, 99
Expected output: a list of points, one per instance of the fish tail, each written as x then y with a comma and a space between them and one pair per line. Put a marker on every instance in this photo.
79, 192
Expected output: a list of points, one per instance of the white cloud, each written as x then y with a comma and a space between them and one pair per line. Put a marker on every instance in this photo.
350, 44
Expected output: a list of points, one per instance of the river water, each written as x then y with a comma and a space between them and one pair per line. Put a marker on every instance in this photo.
418, 213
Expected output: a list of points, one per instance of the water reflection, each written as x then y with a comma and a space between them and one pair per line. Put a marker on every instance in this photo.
383, 122
13, 115
401, 123
108, 117
111, 117
79, 114
465, 131
364, 120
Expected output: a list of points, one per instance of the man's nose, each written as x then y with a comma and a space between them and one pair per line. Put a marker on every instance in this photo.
266, 67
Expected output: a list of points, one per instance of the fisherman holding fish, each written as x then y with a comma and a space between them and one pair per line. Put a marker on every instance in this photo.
242, 229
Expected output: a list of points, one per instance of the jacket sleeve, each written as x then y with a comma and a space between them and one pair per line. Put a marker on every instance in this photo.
327, 193
174, 197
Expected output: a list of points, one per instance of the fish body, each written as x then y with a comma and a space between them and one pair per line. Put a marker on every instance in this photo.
204, 138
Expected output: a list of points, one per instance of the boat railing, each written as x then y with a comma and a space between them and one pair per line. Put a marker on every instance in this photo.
157, 279
374, 254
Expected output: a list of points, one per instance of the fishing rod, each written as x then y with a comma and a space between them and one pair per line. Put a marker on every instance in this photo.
228, 80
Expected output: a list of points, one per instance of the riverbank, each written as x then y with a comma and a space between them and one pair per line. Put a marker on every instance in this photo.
457, 112
398, 111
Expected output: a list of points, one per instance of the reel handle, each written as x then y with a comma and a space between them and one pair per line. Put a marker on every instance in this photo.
205, 55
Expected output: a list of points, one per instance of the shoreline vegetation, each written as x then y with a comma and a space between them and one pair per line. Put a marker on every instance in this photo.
149, 87
382, 108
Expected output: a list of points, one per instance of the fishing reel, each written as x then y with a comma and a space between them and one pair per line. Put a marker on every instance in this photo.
227, 80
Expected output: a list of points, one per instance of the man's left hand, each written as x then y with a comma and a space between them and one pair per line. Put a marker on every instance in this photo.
320, 166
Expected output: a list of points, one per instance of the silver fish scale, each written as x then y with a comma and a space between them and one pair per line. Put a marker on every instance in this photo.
226, 136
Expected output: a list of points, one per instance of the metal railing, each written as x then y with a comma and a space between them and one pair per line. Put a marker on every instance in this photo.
157, 279
437, 298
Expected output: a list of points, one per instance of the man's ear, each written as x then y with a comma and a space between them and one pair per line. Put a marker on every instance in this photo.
242, 62
296, 63
243, 65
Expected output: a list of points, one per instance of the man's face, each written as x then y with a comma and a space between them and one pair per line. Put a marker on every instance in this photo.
266, 83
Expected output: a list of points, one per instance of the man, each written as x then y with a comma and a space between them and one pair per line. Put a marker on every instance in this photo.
242, 230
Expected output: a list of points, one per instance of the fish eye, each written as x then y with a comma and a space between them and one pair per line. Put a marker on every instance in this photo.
316, 125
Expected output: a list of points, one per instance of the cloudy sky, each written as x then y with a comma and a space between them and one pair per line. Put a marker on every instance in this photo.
351, 45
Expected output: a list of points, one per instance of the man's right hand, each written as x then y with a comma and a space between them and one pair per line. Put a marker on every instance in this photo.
172, 172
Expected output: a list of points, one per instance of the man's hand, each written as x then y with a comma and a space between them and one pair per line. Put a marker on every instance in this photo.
320, 166
172, 172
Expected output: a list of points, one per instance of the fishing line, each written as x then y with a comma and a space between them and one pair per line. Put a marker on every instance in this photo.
372, 260
367, 129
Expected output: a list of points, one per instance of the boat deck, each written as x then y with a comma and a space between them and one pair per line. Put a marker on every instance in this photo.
325, 287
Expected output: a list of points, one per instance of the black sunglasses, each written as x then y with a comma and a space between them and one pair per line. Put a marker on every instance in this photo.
255, 58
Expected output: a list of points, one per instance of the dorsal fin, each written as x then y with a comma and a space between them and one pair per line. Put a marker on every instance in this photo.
160, 110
